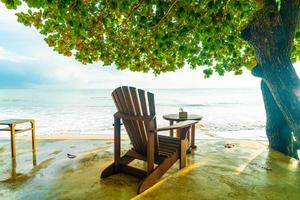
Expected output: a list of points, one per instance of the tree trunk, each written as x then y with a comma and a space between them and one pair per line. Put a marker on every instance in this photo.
282, 105
270, 40
278, 132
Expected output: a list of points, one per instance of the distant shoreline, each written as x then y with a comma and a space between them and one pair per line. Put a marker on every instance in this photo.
68, 137
111, 89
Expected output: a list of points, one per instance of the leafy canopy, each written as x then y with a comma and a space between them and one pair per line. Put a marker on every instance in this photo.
145, 35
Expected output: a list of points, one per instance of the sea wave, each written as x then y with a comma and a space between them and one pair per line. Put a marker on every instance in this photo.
233, 126
103, 98
11, 100
201, 105
91, 112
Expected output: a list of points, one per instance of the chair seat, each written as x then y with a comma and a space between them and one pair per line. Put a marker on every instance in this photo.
168, 145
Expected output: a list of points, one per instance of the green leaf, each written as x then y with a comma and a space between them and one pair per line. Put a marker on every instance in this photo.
147, 35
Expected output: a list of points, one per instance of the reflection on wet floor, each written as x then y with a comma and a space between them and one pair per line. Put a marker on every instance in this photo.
246, 171
16, 178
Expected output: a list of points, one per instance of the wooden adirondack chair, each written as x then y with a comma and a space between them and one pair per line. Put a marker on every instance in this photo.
139, 120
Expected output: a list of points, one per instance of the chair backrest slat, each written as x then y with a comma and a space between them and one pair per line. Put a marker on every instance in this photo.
143, 102
140, 124
123, 108
133, 102
151, 103
134, 124
150, 97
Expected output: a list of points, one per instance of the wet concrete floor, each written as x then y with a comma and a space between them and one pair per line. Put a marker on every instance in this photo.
247, 170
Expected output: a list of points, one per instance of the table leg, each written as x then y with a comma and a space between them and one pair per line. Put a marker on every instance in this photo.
13, 168
34, 158
33, 143
171, 131
33, 136
193, 146
178, 133
189, 147
12, 140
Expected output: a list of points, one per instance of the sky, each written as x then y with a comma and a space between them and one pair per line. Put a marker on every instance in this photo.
26, 61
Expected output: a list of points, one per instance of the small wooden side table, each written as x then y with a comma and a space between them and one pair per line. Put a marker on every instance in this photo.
175, 118
12, 123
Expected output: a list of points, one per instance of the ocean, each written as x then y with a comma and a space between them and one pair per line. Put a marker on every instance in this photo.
227, 113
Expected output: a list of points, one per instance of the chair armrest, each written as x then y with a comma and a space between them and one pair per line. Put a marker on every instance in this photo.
179, 125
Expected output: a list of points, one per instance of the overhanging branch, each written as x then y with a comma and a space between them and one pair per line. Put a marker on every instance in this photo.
134, 8
168, 11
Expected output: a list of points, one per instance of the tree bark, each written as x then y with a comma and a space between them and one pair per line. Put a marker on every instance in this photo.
278, 132
270, 38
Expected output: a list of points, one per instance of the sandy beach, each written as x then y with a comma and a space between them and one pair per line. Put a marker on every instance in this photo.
249, 170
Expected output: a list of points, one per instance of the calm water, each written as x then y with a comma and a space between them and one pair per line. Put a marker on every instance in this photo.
234, 112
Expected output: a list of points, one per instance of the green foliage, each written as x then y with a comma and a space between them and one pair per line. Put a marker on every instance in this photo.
145, 35
11, 4
295, 56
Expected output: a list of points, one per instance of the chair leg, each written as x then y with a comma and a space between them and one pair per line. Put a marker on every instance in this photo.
117, 140
184, 142
183, 150
114, 167
110, 170
150, 152
158, 172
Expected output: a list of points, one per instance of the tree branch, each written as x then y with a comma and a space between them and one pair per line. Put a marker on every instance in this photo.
168, 11
270, 2
290, 14
262, 3
257, 71
135, 7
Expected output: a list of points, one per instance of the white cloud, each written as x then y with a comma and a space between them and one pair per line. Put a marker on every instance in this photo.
12, 57
9, 19
184, 78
